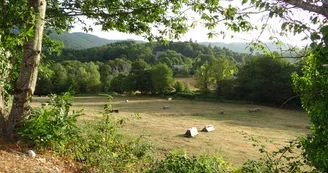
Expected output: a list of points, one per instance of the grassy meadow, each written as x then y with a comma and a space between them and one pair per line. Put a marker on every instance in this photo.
165, 128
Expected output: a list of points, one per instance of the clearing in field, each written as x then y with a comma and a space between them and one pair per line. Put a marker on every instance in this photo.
165, 128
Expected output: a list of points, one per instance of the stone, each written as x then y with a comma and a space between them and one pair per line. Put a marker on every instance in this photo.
115, 111
31, 153
255, 110
166, 107
44, 104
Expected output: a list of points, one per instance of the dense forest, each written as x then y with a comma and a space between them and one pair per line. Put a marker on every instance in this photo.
150, 68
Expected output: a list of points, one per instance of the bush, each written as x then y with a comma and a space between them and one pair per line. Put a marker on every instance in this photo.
104, 149
186, 87
52, 127
186, 95
180, 162
179, 87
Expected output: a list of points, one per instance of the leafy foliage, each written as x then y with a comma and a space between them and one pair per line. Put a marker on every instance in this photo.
222, 69
162, 78
54, 126
180, 162
186, 95
204, 78
105, 149
312, 87
266, 80
179, 86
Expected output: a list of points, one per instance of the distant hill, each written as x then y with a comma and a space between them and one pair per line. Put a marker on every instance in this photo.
80, 40
241, 47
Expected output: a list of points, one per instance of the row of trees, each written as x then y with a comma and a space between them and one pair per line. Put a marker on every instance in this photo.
127, 52
174, 53
93, 77
261, 79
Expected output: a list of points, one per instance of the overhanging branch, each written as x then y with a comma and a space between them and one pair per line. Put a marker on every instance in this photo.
308, 6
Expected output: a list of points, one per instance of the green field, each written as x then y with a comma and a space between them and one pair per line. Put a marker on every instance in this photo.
165, 128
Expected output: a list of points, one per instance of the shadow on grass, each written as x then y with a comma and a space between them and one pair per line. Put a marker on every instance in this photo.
180, 136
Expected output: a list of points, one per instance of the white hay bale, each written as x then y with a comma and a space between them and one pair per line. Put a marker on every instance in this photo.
208, 128
169, 99
126, 101
191, 132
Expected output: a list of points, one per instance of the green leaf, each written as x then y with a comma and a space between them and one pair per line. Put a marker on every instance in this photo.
315, 36
324, 31
315, 20
244, 2
284, 25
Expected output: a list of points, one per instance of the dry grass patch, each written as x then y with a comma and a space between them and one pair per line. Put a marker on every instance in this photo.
165, 128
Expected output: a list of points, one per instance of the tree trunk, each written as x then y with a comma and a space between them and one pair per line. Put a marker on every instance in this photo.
3, 101
26, 81
2, 111
218, 87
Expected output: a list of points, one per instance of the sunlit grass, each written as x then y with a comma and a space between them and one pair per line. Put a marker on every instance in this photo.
165, 128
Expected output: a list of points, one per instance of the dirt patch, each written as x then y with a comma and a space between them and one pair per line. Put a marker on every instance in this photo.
13, 158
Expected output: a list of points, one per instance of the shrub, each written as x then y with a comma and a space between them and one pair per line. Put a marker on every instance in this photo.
180, 162
186, 87
187, 95
52, 127
105, 149
114, 94
179, 87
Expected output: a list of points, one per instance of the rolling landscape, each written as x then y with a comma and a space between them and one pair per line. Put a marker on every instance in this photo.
80, 40
77, 102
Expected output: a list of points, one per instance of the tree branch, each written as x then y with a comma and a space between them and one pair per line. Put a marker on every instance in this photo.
308, 7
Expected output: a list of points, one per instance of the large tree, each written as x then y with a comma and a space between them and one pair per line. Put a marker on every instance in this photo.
266, 80
222, 69
204, 77
22, 25
161, 78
